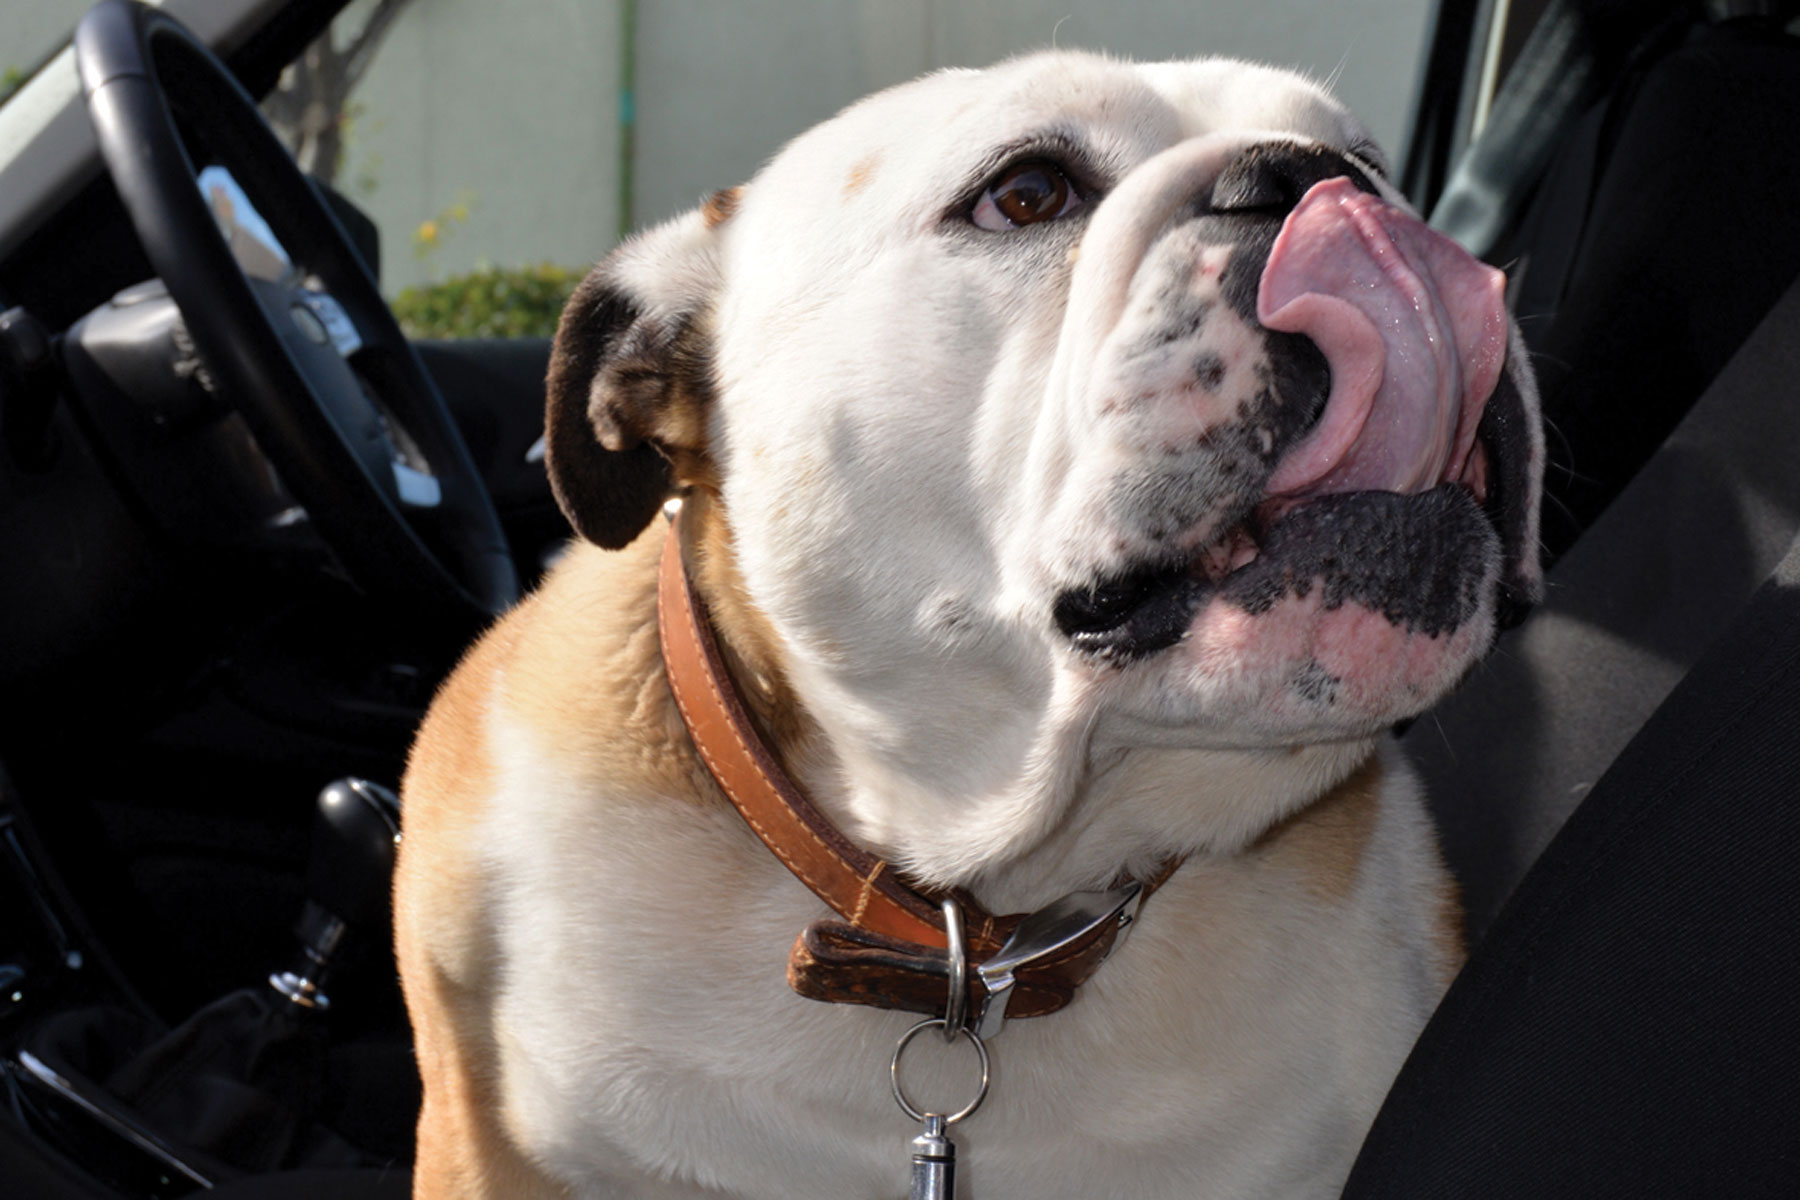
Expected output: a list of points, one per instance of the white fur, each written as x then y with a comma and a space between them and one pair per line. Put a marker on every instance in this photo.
1236, 1046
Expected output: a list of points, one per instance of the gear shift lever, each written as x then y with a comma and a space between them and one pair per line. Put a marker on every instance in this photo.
239, 1085
347, 880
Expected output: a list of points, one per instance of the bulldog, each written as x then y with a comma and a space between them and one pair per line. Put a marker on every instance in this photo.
1082, 465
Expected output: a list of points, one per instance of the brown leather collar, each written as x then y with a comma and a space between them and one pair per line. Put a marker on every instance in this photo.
890, 950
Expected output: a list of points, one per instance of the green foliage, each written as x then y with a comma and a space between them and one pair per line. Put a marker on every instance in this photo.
10, 79
488, 302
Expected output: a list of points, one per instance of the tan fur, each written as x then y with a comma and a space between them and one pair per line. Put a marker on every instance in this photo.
1327, 843
578, 661
1327, 846
447, 961
658, 388
588, 672
752, 651
1451, 928
860, 175
720, 206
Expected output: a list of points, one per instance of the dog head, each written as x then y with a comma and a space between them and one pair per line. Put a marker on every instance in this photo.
1064, 411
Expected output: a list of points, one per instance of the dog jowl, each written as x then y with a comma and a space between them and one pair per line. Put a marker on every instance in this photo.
1306, 387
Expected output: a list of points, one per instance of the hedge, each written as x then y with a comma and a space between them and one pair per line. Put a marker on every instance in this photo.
488, 302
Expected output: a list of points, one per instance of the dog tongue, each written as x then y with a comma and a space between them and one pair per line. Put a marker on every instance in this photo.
1414, 330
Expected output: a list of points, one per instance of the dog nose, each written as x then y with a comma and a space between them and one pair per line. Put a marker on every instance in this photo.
1269, 178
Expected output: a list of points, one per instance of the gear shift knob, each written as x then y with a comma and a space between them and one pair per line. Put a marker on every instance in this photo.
352, 863
347, 879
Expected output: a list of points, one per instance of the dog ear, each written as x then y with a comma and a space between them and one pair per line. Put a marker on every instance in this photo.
630, 381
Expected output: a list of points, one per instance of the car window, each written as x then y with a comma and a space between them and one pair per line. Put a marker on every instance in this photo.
34, 32
502, 151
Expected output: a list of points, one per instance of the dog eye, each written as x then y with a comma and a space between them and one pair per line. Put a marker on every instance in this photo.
1025, 194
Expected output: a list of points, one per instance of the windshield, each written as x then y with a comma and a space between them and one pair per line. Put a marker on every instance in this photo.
47, 149
37, 64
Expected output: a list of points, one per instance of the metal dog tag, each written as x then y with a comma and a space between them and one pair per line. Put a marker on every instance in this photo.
933, 1153
933, 1162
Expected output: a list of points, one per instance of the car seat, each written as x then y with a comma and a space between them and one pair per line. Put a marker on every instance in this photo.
1626, 1024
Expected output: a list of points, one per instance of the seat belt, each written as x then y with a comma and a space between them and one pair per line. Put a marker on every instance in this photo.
1628, 609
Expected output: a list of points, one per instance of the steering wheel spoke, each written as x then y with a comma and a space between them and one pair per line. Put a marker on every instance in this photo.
338, 328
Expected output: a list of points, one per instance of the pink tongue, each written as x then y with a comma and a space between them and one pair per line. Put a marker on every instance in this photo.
1414, 330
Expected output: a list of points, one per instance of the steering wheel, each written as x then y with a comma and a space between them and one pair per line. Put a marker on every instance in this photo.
414, 524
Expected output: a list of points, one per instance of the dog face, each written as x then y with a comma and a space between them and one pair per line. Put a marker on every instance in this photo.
1064, 410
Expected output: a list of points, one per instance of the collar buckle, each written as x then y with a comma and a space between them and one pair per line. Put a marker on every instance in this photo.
1045, 933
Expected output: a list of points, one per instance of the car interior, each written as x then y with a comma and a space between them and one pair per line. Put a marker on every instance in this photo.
247, 526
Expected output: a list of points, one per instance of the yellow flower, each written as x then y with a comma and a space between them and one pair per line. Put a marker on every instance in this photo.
427, 233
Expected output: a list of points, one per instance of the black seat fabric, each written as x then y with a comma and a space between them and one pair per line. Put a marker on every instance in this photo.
368, 1184
1627, 611
1658, 240
1629, 1025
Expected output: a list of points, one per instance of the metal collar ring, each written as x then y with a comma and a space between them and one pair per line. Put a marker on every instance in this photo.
900, 1097
956, 1009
